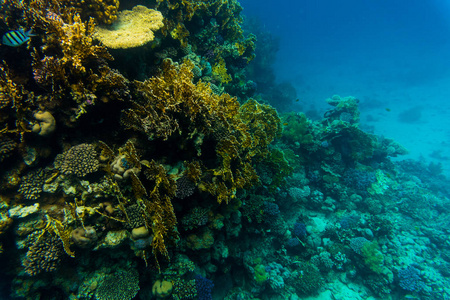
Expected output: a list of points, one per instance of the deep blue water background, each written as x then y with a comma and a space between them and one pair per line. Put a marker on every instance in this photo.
404, 41
392, 54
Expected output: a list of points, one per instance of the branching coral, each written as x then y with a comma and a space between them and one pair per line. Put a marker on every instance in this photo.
44, 255
74, 68
15, 103
7, 146
31, 185
79, 160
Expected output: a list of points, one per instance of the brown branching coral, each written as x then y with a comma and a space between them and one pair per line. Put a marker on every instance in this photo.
31, 185
7, 146
44, 255
15, 102
172, 97
131, 29
103, 11
158, 209
73, 67
79, 160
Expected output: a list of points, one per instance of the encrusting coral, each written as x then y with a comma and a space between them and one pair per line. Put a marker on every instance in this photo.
84, 237
131, 29
121, 285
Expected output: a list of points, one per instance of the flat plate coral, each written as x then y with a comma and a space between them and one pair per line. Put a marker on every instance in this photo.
133, 28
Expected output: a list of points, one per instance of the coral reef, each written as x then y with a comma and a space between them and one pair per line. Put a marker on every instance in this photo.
143, 171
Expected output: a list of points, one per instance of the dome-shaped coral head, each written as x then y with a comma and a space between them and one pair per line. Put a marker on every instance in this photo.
84, 237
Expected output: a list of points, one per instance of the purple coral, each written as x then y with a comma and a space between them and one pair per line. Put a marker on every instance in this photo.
409, 279
299, 230
204, 287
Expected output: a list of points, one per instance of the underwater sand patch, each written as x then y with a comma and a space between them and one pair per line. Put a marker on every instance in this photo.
132, 28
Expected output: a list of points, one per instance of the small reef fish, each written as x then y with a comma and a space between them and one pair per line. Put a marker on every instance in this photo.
16, 38
51, 16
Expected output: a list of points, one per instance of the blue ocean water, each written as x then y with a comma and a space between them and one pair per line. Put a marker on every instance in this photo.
392, 55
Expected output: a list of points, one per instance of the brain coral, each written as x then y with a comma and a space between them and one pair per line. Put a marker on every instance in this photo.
79, 160
133, 28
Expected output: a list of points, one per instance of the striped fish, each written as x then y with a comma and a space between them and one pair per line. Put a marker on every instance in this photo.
16, 38
51, 16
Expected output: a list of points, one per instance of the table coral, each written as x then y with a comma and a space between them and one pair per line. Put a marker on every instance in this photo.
131, 29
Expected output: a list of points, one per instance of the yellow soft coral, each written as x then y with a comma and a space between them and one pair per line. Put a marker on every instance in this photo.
103, 11
219, 71
240, 133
